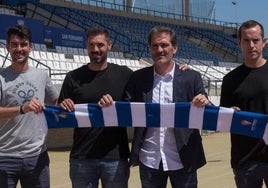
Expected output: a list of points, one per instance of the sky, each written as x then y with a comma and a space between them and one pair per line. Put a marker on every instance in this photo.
243, 10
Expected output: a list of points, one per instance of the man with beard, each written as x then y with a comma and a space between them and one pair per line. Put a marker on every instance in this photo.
97, 153
23, 92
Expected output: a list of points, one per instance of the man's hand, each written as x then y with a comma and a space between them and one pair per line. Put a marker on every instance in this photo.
200, 100
67, 104
184, 67
235, 108
106, 101
33, 105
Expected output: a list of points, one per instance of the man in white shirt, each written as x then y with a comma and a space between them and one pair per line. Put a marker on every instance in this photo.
162, 153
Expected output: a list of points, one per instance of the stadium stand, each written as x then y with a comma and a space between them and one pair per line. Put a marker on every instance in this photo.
205, 45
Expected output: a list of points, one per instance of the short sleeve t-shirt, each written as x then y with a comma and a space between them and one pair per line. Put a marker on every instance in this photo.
24, 135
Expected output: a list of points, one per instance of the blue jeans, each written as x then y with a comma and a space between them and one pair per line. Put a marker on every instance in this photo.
85, 173
157, 178
31, 172
251, 175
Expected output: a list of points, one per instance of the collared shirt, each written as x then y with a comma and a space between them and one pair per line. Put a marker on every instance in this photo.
159, 143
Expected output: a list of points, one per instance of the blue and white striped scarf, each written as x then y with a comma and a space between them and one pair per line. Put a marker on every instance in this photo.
175, 115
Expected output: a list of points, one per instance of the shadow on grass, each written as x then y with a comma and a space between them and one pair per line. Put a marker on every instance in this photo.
63, 149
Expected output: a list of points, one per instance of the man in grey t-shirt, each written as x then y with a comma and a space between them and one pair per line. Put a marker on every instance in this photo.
23, 92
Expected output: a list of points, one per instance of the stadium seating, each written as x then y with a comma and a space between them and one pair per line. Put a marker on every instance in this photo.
129, 36
59, 64
132, 35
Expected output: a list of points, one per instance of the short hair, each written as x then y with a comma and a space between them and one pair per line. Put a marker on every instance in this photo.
94, 31
21, 31
163, 29
249, 24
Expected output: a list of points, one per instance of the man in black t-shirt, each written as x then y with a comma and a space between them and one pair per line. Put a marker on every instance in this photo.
97, 153
245, 88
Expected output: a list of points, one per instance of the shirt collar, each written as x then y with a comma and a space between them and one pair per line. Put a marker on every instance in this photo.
167, 75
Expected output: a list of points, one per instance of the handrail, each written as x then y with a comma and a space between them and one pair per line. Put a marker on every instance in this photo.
150, 12
38, 63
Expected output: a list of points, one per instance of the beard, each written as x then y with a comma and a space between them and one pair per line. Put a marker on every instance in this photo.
97, 58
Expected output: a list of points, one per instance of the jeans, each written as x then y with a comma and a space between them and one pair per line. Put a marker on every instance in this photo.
157, 178
251, 175
85, 173
31, 172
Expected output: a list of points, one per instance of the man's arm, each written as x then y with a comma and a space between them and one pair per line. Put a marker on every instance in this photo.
9, 112
32, 106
